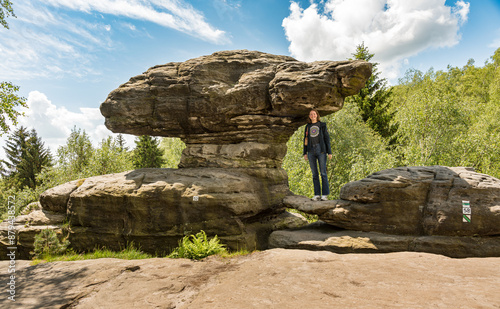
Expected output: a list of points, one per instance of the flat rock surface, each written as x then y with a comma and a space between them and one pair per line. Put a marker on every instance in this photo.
276, 278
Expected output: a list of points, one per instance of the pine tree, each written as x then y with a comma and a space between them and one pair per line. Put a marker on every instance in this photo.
47, 243
35, 159
373, 99
15, 149
121, 142
147, 153
26, 157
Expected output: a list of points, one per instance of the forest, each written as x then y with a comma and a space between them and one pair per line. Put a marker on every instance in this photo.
445, 118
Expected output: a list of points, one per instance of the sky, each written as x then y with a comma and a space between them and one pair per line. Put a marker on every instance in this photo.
68, 55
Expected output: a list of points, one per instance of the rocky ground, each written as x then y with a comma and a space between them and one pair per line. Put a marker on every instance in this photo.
277, 278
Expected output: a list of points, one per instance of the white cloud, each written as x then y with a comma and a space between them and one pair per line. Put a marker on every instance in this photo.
54, 124
44, 38
175, 14
391, 29
41, 44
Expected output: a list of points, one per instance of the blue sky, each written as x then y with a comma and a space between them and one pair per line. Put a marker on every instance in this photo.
67, 55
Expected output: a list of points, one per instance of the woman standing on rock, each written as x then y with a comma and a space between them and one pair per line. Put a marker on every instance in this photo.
316, 147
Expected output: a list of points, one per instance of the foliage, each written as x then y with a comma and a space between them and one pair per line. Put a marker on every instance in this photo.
36, 158
9, 100
26, 158
19, 197
77, 153
373, 100
147, 152
172, 148
47, 243
450, 118
131, 252
110, 157
197, 247
79, 159
5, 11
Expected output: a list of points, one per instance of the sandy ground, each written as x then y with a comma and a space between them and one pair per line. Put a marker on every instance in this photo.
276, 278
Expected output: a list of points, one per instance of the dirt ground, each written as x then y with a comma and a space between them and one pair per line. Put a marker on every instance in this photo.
277, 278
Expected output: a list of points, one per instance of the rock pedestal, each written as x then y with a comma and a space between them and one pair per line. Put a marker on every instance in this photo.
232, 108
235, 111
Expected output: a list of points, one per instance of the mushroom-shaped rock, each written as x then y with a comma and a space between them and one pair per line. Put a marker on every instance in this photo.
251, 100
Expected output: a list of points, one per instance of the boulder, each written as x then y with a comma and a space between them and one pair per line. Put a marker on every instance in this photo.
232, 108
413, 201
156, 207
404, 209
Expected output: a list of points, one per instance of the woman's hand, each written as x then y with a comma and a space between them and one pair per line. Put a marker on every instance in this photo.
305, 157
330, 156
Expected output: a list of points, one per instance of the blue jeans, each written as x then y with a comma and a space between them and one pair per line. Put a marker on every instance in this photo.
315, 157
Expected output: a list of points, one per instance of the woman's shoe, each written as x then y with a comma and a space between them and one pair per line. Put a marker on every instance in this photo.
324, 197
316, 198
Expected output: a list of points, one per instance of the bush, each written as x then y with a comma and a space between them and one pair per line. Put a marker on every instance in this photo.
197, 247
47, 244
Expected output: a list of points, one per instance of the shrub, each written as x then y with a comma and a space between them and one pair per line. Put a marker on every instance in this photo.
47, 243
197, 247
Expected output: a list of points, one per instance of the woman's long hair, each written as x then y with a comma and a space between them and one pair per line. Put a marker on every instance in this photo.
309, 119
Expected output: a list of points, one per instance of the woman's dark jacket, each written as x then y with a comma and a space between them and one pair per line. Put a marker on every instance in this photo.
324, 138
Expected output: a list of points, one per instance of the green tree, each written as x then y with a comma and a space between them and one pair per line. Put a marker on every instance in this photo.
36, 158
15, 150
147, 152
9, 100
110, 157
373, 100
77, 153
121, 142
172, 148
431, 116
47, 243
26, 156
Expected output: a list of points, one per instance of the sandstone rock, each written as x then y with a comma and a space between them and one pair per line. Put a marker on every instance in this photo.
232, 108
26, 227
274, 278
325, 237
413, 201
157, 207
56, 199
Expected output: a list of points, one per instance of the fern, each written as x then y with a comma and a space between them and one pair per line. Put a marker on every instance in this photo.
197, 247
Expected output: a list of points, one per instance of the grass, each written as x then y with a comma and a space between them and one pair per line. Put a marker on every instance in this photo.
129, 253
133, 253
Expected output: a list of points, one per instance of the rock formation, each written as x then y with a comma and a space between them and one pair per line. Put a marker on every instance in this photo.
235, 110
232, 108
406, 209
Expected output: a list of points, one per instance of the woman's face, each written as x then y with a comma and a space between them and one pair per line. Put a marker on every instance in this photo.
313, 116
